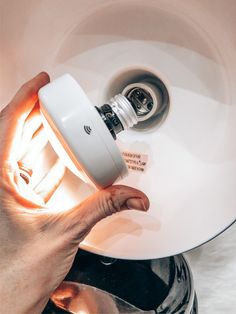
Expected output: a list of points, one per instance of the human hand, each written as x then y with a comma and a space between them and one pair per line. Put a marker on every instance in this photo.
37, 243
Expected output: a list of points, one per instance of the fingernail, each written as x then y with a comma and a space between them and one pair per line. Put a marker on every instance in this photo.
136, 203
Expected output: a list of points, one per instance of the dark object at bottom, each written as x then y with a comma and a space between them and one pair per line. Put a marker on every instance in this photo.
99, 285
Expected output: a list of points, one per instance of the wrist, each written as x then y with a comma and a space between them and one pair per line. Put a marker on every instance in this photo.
22, 289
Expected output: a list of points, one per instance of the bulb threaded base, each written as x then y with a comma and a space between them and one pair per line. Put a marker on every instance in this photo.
124, 111
118, 114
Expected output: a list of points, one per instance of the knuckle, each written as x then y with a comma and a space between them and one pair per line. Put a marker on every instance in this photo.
111, 204
29, 88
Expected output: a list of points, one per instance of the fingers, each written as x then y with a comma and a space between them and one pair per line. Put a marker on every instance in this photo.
30, 131
81, 219
25, 99
36, 145
15, 114
47, 187
28, 162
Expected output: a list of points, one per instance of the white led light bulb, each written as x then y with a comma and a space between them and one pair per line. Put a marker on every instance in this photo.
83, 135
78, 134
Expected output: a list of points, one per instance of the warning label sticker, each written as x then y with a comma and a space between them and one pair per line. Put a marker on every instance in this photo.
135, 161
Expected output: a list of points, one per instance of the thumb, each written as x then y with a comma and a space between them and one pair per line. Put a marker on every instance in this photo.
102, 204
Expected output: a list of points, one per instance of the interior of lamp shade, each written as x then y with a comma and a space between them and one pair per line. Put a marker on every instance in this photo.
190, 175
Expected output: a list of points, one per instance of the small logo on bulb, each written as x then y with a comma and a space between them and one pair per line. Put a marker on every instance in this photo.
87, 129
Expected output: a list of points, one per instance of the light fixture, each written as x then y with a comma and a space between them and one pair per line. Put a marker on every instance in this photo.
84, 135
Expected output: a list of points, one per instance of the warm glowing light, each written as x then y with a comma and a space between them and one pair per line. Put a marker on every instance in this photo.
60, 150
